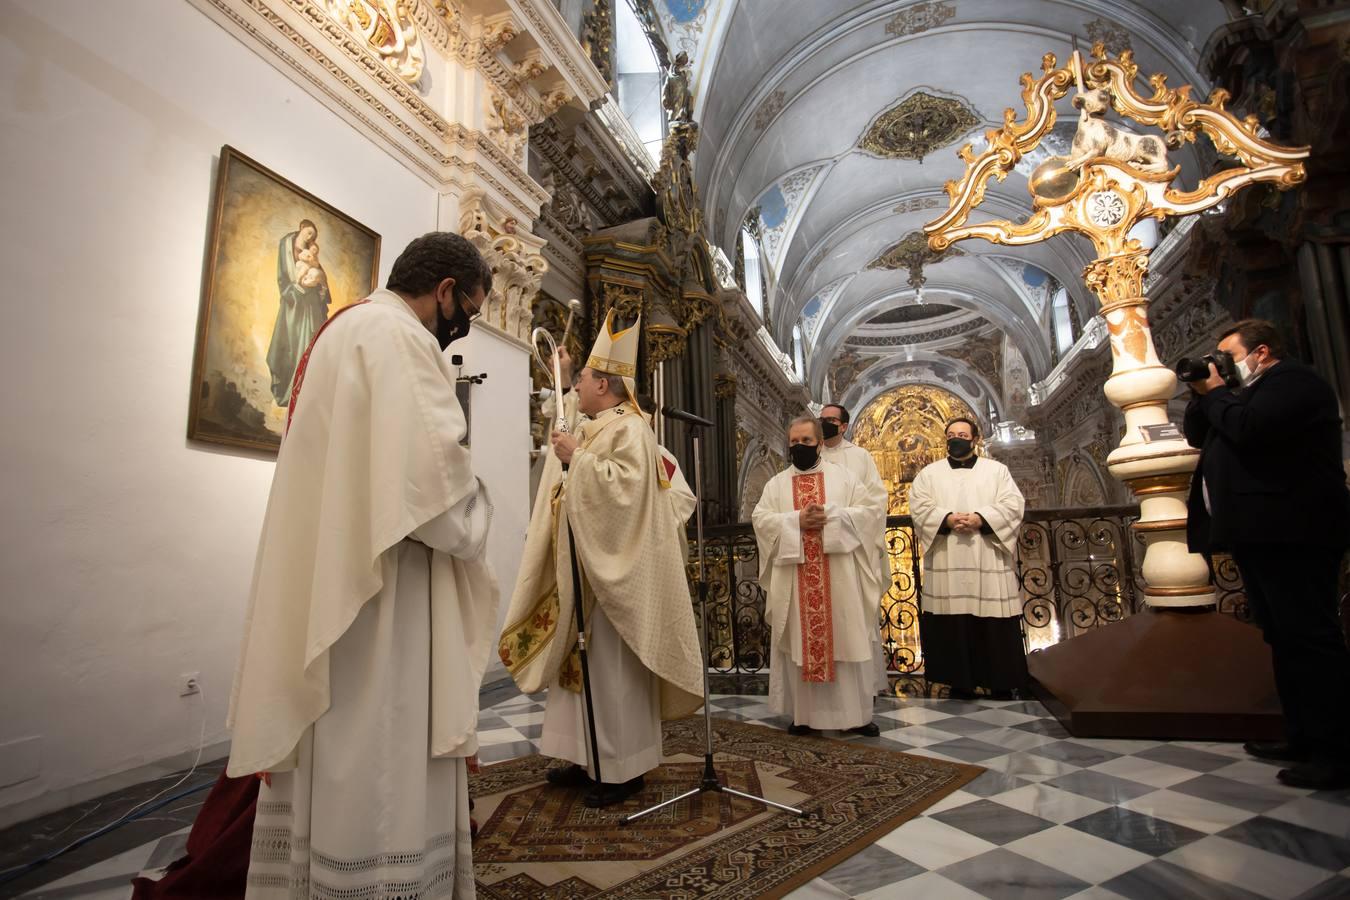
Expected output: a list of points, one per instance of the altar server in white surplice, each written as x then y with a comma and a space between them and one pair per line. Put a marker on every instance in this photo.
642, 645
967, 511
815, 525
372, 613
839, 450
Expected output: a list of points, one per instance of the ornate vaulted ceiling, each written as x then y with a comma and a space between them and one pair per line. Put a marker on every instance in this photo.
835, 124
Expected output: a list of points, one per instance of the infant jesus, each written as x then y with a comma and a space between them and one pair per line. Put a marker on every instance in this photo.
307, 269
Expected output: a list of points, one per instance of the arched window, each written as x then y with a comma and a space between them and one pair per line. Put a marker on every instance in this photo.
798, 353
637, 79
754, 280
1062, 323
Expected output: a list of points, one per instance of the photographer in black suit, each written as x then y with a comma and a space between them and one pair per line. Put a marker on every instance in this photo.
1270, 490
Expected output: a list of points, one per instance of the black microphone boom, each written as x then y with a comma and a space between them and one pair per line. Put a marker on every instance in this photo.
671, 412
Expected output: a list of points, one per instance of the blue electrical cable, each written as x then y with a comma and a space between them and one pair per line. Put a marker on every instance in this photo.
19, 871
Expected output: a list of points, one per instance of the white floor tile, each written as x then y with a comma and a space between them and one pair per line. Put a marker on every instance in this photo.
1313, 813
916, 715
951, 801
1002, 717
933, 844
1118, 745
1145, 771
1050, 803
819, 889
1016, 740
1193, 812
1096, 892
1079, 854
1029, 766
1259, 774
928, 886
922, 736
499, 736
1267, 874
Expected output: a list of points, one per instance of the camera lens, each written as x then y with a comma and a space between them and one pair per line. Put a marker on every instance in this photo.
1191, 369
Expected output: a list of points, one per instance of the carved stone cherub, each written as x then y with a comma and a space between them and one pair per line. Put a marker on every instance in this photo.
1097, 137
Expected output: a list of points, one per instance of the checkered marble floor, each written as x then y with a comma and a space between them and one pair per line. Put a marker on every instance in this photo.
1055, 816
1052, 817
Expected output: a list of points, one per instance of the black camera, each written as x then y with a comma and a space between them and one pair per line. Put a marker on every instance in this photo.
1190, 369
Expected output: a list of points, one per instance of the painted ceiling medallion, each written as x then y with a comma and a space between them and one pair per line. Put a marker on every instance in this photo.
388, 28
913, 253
1110, 34
919, 125
920, 18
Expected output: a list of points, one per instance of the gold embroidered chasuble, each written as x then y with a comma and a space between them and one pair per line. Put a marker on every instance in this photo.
631, 555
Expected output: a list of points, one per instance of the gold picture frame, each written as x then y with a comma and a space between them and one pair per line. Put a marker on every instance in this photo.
280, 261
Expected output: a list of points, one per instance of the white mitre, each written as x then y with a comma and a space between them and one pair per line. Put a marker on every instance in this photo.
616, 353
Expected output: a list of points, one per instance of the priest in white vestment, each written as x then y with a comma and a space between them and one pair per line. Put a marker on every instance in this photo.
838, 449
372, 613
815, 525
967, 511
611, 505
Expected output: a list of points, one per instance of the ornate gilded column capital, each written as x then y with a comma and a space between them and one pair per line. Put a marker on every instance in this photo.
517, 265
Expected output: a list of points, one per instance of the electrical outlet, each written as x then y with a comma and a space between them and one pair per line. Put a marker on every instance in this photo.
189, 683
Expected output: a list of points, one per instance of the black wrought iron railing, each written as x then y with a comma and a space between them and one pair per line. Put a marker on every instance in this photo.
1077, 568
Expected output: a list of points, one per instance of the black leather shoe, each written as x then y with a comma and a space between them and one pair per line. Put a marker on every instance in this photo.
1316, 775
961, 694
798, 730
1278, 750
569, 776
868, 730
608, 794
1001, 695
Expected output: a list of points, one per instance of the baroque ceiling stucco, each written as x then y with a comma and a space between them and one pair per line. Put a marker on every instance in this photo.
873, 98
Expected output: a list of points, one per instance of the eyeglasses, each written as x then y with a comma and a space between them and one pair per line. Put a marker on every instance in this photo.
477, 310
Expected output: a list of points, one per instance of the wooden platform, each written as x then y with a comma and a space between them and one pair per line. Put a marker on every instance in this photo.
1176, 675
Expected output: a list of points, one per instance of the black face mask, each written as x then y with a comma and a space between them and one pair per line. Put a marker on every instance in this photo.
804, 456
452, 329
831, 429
958, 447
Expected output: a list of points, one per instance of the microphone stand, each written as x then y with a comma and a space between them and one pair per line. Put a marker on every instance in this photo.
710, 782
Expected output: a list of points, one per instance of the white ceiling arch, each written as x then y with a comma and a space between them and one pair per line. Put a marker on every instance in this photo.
790, 86
1025, 335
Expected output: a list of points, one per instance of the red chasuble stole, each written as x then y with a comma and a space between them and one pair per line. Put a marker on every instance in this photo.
813, 587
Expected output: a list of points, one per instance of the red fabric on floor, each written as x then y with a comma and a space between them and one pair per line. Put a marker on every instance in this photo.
216, 864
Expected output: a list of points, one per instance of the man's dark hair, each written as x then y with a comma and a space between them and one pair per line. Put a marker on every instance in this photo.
646, 403
974, 428
843, 411
434, 257
1255, 332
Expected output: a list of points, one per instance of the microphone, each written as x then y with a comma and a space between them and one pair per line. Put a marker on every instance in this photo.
671, 412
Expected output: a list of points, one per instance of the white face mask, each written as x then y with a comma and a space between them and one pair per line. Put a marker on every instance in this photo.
1247, 369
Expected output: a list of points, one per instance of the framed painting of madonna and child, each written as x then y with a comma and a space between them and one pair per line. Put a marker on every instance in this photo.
280, 261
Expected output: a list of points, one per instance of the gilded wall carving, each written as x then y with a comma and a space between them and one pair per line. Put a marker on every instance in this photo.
517, 266
984, 354
917, 126
388, 28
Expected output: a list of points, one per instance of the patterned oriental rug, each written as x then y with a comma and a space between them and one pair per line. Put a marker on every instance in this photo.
538, 842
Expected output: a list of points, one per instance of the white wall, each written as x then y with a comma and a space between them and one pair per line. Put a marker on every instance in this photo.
127, 551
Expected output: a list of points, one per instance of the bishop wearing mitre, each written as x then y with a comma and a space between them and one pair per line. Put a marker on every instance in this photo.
815, 525
601, 502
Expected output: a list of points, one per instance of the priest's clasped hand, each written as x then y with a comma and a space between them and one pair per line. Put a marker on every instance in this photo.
811, 517
965, 523
564, 445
